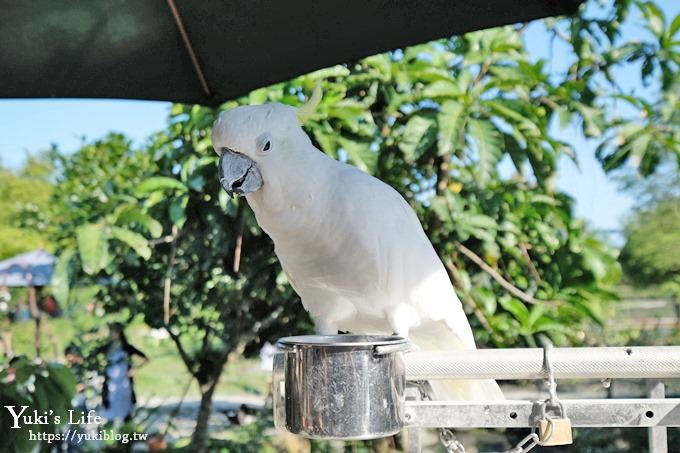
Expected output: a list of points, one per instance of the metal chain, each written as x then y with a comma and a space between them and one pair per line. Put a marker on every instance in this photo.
532, 440
526, 444
446, 436
450, 442
453, 445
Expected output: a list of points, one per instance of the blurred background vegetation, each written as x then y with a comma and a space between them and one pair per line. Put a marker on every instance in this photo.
463, 128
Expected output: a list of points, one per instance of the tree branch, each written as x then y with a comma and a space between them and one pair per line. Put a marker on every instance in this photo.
455, 276
548, 102
443, 173
204, 342
482, 72
188, 362
246, 338
499, 278
239, 238
525, 252
168, 276
557, 32
162, 240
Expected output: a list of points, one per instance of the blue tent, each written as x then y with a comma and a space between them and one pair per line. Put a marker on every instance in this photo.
28, 269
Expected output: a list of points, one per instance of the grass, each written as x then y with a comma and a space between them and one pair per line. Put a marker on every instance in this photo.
164, 376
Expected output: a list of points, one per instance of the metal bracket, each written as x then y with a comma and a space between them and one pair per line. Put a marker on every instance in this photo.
583, 413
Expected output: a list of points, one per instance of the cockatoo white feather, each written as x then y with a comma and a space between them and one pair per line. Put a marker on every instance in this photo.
351, 246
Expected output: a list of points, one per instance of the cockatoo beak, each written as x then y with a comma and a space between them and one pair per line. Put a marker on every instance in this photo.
238, 173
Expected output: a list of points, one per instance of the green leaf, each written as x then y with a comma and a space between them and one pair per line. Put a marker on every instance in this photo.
381, 66
542, 198
590, 310
353, 114
639, 146
518, 309
441, 88
159, 183
360, 154
488, 299
41, 398
489, 144
535, 314
177, 210
133, 240
81, 295
593, 119
449, 120
440, 208
93, 247
64, 379
512, 112
675, 26
419, 134
508, 73
480, 221
655, 18
176, 109
60, 278
465, 283
546, 324
258, 96
326, 142
564, 116
135, 215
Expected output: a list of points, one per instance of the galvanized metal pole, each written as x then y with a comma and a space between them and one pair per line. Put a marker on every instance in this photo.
413, 435
658, 435
583, 413
579, 363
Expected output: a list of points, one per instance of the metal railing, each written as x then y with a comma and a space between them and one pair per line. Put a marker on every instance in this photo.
655, 413
584, 363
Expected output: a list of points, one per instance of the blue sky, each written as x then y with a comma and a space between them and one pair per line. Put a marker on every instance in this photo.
32, 125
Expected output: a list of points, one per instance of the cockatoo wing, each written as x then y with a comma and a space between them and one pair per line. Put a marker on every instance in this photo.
408, 268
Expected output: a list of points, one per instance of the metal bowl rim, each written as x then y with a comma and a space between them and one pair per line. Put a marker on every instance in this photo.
344, 340
362, 436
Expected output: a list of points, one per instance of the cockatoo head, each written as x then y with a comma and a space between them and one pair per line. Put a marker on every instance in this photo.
256, 142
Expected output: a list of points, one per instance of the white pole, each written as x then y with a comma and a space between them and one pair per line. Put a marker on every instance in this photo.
585, 363
658, 435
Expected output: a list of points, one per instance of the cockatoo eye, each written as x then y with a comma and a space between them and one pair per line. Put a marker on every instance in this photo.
263, 143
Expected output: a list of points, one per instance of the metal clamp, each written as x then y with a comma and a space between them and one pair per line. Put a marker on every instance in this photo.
550, 382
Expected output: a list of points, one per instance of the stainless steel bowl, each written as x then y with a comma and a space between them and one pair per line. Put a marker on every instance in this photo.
340, 386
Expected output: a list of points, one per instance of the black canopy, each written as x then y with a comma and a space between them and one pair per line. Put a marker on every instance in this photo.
209, 51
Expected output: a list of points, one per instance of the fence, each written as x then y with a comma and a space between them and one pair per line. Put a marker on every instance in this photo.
655, 413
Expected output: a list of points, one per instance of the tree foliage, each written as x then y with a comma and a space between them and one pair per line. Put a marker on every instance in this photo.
149, 232
152, 233
46, 388
435, 121
652, 232
24, 197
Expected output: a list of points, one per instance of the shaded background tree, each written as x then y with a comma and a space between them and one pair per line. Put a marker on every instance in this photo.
652, 235
24, 194
149, 232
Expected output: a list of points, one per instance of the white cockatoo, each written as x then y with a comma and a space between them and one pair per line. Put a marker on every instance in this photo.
351, 246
